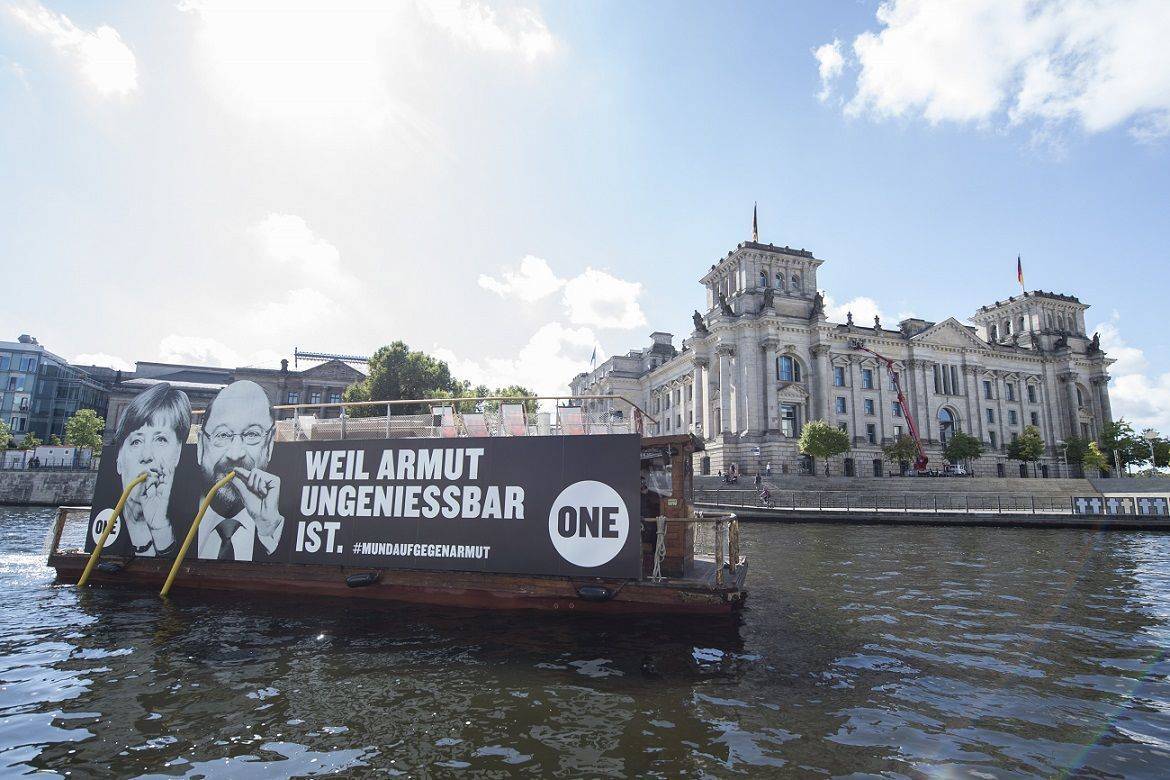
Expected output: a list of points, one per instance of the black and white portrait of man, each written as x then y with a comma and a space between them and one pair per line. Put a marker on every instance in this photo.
243, 522
149, 439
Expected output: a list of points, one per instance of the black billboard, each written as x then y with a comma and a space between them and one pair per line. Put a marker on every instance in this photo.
560, 505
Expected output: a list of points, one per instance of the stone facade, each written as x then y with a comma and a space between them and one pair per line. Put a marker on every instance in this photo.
764, 359
319, 384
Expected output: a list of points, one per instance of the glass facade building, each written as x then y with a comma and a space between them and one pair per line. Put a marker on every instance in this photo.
39, 391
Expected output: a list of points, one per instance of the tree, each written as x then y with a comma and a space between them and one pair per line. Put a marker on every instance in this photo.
84, 429
1094, 458
821, 440
1074, 448
1118, 437
54, 440
1028, 447
962, 447
900, 450
5, 434
30, 442
396, 373
518, 391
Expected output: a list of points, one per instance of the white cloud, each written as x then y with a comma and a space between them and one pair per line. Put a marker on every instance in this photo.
309, 63
530, 282
102, 359
553, 355
102, 58
318, 286
599, 299
592, 298
1143, 400
864, 309
1096, 64
517, 30
830, 63
204, 351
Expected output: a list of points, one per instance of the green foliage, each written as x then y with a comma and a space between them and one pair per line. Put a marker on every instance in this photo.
1119, 437
30, 442
1075, 447
821, 440
1028, 446
962, 447
396, 373
1161, 453
903, 449
54, 440
1094, 458
84, 429
5, 434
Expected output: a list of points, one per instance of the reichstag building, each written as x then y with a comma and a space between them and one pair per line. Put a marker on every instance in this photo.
763, 358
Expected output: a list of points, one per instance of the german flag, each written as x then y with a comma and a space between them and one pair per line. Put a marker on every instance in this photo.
1019, 271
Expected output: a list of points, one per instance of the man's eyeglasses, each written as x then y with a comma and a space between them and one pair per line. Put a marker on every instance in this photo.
253, 436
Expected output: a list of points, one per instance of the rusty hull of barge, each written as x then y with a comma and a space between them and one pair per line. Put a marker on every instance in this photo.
437, 588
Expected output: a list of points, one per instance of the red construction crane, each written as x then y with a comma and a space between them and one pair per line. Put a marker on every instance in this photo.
921, 461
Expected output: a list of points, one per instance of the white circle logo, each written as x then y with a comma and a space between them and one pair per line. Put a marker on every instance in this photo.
99, 525
588, 523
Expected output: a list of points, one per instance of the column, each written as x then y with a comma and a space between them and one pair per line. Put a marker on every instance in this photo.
771, 417
698, 399
1070, 393
742, 390
854, 396
1101, 389
753, 388
823, 385
725, 353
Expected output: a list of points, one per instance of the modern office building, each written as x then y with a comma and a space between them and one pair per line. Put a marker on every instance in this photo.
39, 390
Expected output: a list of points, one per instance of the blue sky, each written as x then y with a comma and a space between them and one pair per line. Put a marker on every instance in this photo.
188, 182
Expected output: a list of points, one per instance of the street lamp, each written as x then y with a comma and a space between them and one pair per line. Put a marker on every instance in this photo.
1150, 435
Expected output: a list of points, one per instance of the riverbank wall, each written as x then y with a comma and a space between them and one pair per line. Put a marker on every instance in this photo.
47, 487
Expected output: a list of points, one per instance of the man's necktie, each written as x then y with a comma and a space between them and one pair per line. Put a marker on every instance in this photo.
226, 529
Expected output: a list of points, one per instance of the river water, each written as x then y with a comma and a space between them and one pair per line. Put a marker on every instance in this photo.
902, 652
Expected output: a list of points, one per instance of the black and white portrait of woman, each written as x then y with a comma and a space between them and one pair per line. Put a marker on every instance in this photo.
149, 439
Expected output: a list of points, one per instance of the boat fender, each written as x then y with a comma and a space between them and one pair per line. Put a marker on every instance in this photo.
363, 579
109, 567
594, 593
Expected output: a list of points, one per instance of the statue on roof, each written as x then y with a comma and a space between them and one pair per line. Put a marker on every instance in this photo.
1095, 344
849, 318
769, 297
818, 307
700, 326
877, 322
724, 306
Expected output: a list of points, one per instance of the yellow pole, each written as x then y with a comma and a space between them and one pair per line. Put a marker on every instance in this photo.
101, 542
166, 588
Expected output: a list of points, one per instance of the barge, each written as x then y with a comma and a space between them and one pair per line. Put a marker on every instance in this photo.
483, 503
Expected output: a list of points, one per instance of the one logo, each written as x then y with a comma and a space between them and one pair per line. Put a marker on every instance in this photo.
99, 525
588, 523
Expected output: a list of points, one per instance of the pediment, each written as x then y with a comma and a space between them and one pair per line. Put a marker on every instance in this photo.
333, 369
792, 391
949, 333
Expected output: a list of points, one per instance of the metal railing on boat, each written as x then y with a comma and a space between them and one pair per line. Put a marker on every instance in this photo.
542, 415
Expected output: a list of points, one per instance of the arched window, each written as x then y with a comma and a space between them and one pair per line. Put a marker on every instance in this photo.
947, 425
1080, 396
779, 281
795, 281
994, 332
787, 369
1020, 325
763, 279
1007, 327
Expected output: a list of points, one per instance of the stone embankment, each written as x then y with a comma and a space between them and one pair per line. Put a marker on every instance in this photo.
932, 501
47, 487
